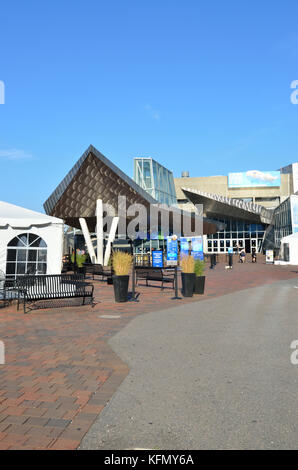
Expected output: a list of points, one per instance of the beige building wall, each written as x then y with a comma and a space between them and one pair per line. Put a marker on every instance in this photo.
219, 185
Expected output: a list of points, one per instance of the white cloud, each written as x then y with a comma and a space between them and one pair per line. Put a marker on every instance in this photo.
154, 113
259, 175
15, 154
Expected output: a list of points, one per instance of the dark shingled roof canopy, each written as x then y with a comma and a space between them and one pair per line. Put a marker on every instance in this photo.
95, 177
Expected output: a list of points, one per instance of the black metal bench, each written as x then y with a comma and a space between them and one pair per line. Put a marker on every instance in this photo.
49, 287
163, 275
98, 270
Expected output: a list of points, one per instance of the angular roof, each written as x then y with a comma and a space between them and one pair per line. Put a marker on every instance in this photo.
216, 205
93, 177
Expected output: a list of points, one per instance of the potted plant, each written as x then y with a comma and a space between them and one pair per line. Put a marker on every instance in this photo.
121, 266
199, 286
187, 264
81, 258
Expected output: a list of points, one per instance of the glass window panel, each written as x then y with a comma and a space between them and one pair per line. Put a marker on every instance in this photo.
22, 255
23, 239
41, 268
31, 268
11, 255
32, 238
10, 268
42, 255
13, 242
21, 268
240, 234
228, 243
32, 255
35, 243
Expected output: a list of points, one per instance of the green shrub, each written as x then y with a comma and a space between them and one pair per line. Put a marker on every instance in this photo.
80, 259
199, 267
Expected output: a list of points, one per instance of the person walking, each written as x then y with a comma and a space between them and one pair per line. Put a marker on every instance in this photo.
230, 254
253, 255
242, 255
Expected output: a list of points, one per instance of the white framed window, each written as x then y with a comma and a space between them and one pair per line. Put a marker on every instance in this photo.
26, 254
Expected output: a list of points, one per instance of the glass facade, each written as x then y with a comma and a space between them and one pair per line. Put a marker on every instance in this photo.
236, 234
283, 224
155, 179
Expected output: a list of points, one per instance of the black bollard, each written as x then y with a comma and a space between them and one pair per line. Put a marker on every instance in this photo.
133, 289
176, 285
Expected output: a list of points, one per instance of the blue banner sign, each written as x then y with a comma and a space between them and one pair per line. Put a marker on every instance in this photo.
157, 259
184, 246
254, 178
172, 251
197, 248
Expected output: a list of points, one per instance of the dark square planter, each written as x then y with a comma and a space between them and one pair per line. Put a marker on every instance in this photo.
121, 288
199, 286
188, 281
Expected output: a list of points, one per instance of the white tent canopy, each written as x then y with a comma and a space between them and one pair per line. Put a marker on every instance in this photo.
289, 249
16, 217
29, 241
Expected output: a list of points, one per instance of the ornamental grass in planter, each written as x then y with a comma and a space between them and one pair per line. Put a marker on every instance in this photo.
187, 264
121, 266
199, 269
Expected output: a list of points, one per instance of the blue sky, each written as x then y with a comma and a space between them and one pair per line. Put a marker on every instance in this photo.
199, 86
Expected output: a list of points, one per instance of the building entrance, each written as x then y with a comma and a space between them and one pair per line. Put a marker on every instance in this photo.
236, 234
247, 246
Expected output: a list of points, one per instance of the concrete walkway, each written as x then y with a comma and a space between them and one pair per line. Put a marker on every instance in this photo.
214, 374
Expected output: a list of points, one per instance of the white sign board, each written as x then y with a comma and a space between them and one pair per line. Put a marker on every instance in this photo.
269, 257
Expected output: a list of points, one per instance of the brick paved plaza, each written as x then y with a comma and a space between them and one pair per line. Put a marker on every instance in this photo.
60, 372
